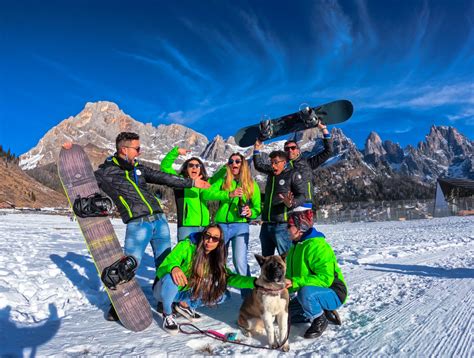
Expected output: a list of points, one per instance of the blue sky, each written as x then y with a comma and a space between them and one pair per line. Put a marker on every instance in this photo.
216, 66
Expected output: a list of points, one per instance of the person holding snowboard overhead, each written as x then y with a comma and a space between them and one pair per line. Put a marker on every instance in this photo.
125, 180
285, 189
239, 197
192, 210
313, 274
306, 166
195, 274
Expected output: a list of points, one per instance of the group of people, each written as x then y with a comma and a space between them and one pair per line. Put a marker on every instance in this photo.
194, 272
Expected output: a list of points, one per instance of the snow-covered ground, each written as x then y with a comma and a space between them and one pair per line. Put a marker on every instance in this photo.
410, 293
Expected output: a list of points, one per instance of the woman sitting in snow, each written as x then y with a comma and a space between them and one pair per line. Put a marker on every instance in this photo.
194, 274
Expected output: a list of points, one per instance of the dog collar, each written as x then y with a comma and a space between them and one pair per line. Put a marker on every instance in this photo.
270, 291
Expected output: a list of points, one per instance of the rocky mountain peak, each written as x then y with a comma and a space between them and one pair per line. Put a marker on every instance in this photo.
99, 123
374, 150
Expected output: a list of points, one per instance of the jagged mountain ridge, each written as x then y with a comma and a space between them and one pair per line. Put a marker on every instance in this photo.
350, 174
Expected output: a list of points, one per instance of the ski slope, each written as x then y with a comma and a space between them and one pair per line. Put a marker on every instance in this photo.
410, 294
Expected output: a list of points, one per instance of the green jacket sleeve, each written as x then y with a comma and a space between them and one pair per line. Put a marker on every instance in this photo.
321, 263
238, 281
215, 192
219, 174
255, 201
180, 257
167, 162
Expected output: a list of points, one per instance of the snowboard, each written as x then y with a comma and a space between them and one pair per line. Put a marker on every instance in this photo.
77, 177
329, 113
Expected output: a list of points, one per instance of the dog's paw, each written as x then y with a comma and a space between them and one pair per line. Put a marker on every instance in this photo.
286, 347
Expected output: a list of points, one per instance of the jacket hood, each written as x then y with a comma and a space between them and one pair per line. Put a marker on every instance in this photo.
195, 237
311, 234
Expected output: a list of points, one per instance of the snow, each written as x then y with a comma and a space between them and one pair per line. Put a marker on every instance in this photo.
410, 293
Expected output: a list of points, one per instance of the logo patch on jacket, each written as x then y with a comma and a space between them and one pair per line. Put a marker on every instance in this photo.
282, 182
138, 171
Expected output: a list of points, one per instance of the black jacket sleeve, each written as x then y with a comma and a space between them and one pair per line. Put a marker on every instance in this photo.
298, 188
261, 162
318, 159
157, 177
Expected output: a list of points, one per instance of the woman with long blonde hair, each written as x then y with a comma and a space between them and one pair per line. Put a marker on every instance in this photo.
239, 197
193, 274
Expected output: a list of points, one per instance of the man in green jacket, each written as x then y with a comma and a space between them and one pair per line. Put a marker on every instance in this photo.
313, 273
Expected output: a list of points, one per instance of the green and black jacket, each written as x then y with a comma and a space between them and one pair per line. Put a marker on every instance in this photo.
306, 166
191, 207
274, 210
182, 256
312, 262
126, 184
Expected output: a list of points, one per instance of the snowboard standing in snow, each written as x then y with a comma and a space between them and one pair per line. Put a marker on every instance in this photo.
308, 117
78, 180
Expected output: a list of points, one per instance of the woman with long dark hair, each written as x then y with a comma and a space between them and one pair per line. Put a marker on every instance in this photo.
195, 274
191, 208
239, 201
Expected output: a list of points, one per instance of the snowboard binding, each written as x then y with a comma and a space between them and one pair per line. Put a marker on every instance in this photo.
308, 116
95, 205
266, 129
121, 271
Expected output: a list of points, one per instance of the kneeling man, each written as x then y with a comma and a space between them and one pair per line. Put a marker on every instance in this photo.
313, 273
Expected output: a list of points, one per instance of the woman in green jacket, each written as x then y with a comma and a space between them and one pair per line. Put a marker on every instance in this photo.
194, 273
191, 208
239, 197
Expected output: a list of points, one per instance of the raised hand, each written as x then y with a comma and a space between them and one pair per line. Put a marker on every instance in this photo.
67, 145
258, 145
183, 151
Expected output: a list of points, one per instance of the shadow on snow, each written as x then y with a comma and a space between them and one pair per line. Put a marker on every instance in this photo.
421, 270
14, 339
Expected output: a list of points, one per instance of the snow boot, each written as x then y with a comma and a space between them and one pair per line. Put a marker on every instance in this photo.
112, 315
333, 317
318, 326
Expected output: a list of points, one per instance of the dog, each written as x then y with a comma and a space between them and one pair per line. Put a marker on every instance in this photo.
269, 300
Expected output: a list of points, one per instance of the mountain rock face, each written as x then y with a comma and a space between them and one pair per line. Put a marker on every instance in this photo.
98, 125
17, 189
381, 171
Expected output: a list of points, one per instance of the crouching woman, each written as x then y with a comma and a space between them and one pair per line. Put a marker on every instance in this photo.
194, 274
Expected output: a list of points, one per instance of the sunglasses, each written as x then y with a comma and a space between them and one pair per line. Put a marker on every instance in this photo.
138, 149
232, 161
192, 165
290, 147
275, 162
210, 238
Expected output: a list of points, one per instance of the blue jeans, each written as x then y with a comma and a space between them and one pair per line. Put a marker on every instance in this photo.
238, 234
139, 233
185, 231
312, 301
167, 291
274, 235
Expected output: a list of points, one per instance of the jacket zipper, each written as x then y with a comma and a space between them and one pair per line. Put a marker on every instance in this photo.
271, 198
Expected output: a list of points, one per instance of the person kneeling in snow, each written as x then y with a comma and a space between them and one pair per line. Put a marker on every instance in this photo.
194, 273
313, 273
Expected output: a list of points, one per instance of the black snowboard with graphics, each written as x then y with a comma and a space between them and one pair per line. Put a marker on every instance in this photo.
77, 178
329, 113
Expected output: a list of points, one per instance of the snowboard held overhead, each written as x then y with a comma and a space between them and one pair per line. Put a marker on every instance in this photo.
306, 118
